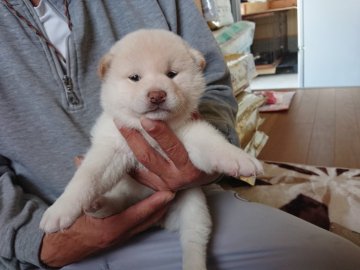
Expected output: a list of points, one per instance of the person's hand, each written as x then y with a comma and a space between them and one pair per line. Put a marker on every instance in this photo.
174, 173
89, 235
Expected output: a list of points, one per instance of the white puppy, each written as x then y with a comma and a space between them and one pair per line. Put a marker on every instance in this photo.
153, 74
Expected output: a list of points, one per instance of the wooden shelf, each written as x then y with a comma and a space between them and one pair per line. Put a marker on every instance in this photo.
268, 69
270, 6
268, 11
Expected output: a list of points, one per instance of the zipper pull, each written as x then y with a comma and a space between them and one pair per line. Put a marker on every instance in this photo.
70, 94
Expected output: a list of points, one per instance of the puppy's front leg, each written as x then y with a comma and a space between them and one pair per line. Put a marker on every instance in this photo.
99, 171
211, 152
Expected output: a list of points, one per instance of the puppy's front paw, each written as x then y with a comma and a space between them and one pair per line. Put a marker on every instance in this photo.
258, 165
59, 216
239, 163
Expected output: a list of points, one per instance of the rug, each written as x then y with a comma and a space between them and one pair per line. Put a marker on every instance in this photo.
325, 196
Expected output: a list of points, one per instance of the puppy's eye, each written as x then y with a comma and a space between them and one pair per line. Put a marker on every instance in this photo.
134, 77
171, 74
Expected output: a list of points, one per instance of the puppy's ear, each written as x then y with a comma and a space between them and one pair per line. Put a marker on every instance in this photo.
198, 57
104, 65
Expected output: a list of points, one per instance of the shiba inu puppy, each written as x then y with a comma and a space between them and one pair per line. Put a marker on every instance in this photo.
153, 74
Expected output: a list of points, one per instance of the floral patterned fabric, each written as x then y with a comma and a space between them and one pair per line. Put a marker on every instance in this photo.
337, 189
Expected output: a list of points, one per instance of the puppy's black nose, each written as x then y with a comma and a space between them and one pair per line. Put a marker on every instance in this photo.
157, 96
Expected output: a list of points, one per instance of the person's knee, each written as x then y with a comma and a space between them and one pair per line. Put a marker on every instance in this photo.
255, 236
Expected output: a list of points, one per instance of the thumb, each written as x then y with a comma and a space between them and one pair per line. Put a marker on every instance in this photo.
142, 210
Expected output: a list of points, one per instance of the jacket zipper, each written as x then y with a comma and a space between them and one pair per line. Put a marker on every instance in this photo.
70, 93
71, 96
64, 72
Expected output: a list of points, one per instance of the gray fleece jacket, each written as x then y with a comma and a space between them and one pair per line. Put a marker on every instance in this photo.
46, 113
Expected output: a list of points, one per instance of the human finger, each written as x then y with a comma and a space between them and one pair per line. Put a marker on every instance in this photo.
167, 140
78, 160
143, 151
154, 182
150, 179
149, 222
141, 211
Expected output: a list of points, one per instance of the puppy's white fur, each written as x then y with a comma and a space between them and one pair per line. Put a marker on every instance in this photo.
102, 185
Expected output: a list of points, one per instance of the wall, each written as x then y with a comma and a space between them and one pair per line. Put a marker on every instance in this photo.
329, 42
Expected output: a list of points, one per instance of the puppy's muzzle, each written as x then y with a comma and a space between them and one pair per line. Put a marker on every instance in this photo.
157, 97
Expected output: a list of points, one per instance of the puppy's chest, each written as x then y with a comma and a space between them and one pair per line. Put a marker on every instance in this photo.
108, 135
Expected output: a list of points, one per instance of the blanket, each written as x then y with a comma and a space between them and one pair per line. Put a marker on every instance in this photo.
325, 196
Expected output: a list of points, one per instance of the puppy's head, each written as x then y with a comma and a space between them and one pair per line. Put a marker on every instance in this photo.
151, 73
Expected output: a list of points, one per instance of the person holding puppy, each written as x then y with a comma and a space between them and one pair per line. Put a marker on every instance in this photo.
49, 100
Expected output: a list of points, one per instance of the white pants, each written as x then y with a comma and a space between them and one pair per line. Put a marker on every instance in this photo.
245, 236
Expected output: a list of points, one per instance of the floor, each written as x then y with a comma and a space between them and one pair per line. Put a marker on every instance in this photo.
278, 81
321, 128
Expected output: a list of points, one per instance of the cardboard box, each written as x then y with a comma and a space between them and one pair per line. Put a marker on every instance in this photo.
251, 8
235, 38
242, 70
